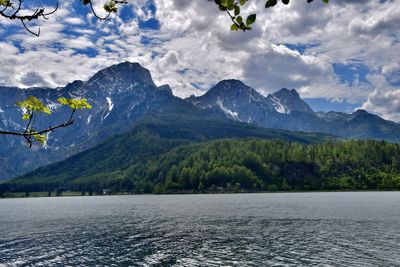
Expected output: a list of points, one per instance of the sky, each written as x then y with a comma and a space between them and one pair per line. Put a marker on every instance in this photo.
341, 56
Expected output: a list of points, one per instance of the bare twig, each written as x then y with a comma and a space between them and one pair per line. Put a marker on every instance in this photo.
38, 13
95, 14
41, 13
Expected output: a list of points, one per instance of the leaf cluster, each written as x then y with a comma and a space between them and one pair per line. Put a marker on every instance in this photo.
110, 6
5, 3
233, 9
75, 103
271, 3
32, 106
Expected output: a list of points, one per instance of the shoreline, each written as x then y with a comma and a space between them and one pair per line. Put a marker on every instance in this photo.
33, 195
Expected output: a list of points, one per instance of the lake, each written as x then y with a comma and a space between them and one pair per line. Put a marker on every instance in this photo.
282, 229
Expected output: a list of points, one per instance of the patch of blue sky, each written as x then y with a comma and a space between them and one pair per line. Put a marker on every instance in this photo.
154, 55
182, 71
152, 24
145, 40
126, 13
301, 48
325, 105
89, 51
152, 7
351, 74
14, 28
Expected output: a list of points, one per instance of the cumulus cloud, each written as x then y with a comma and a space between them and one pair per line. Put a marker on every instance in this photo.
268, 70
386, 104
292, 46
392, 73
32, 78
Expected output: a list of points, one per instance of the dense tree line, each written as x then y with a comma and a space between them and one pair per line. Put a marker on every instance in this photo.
247, 165
257, 165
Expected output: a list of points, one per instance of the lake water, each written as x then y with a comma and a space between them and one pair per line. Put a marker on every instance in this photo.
293, 229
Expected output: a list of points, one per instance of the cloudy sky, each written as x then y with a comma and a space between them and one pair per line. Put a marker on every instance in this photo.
340, 56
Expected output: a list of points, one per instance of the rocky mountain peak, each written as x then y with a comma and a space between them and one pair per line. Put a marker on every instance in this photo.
286, 93
73, 86
287, 101
125, 73
228, 88
166, 88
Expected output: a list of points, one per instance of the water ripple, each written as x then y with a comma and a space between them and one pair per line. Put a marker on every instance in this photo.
235, 230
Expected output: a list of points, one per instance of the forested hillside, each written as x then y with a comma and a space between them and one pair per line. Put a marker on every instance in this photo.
150, 164
262, 165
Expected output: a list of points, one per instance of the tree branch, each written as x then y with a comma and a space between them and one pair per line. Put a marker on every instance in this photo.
29, 132
39, 12
110, 7
95, 14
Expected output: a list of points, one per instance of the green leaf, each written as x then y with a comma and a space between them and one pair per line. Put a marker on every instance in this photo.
231, 4
239, 19
325, 1
75, 103
286, 2
270, 3
242, 2
40, 138
110, 7
5, 3
234, 27
251, 19
33, 104
26, 116
237, 10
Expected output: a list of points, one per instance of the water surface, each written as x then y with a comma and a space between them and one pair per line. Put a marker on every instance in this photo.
293, 229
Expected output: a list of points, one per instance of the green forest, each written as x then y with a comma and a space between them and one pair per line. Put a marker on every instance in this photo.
259, 165
225, 165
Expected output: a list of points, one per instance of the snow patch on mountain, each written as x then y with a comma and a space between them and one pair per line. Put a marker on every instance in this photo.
89, 119
279, 107
110, 103
233, 115
110, 107
332, 116
53, 105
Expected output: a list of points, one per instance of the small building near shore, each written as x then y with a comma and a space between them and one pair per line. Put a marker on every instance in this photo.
107, 191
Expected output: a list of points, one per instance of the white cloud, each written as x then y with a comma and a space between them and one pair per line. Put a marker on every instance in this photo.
386, 104
194, 48
74, 21
268, 69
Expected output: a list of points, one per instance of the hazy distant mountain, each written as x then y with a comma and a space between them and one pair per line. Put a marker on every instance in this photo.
124, 93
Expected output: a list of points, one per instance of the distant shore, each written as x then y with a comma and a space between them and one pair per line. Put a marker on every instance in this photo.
11, 195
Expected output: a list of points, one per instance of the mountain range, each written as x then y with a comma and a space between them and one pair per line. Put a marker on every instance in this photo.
124, 98
286, 110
